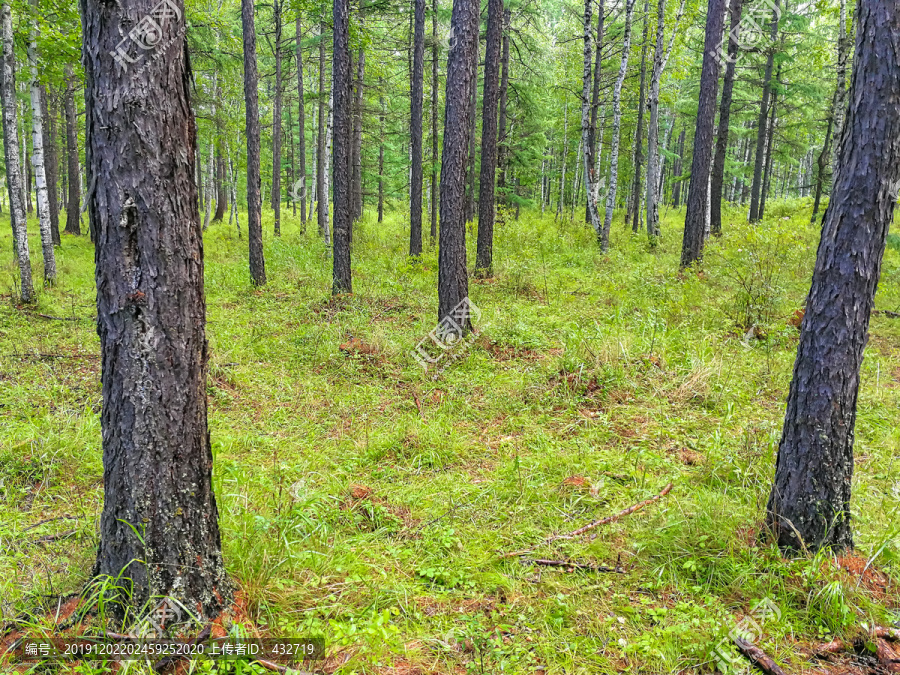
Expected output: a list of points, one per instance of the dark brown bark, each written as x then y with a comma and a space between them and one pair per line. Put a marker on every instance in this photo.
676, 170
51, 163
695, 216
762, 125
301, 121
417, 94
251, 127
809, 506
717, 177
484, 258
639, 134
470, 170
342, 87
821, 163
276, 121
502, 141
73, 205
159, 526
453, 280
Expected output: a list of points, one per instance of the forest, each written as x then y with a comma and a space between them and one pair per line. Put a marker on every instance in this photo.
406, 337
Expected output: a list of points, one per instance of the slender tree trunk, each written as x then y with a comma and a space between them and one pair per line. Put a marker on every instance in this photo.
221, 183
434, 120
595, 106
676, 170
11, 148
565, 151
823, 161
763, 117
301, 122
470, 171
357, 138
502, 140
453, 280
592, 187
159, 526
211, 179
417, 85
381, 157
617, 129
770, 146
809, 506
251, 103
484, 258
342, 92
276, 122
73, 205
698, 192
840, 103
718, 167
639, 133
654, 167
321, 177
51, 163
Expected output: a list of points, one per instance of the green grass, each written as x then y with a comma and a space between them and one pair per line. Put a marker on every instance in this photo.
612, 367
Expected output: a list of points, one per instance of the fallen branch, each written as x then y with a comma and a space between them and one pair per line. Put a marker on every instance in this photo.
53, 537
610, 519
59, 318
888, 313
572, 566
887, 633
268, 665
48, 520
758, 657
596, 523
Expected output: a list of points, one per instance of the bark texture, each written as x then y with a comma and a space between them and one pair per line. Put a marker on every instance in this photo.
453, 280
484, 256
276, 122
763, 118
251, 126
417, 94
809, 506
342, 91
159, 525
698, 192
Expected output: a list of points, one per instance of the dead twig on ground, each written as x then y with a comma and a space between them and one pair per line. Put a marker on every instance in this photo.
48, 520
596, 523
571, 566
53, 537
758, 657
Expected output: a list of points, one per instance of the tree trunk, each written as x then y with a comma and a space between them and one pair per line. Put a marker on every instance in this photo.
595, 106
698, 192
342, 93
301, 122
417, 86
617, 129
763, 118
770, 144
51, 163
718, 167
809, 506
502, 141
592, 187
381, 157
321, 178
356, 166
654, 167
676, 170
639, 133
470, 171
11, 148
73, 180
565, 151
159, 526
435, 54
276, 122
221, 185
484, 258
840, 103
251, 103
40, 174
453, 281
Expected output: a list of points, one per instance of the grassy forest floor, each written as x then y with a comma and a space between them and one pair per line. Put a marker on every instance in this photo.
367, 501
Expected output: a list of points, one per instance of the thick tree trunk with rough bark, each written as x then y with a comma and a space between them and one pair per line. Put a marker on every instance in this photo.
417, 94
718, 167
73, 177
698, 192
159, 526
617, 129
11, 148
484, 257
502, 140
251, 127
809, 506
762, 124
453, 280
342, 92
321, 177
